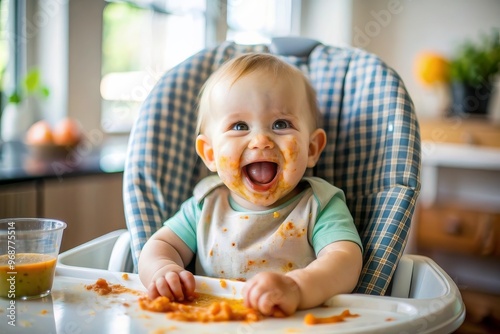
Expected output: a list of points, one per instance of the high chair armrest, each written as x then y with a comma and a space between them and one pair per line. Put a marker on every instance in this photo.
401, 281
121, 257
108, 252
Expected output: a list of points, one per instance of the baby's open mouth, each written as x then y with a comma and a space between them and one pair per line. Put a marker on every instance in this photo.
261, 172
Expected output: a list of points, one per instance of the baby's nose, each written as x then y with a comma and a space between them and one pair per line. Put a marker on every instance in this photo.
261, 141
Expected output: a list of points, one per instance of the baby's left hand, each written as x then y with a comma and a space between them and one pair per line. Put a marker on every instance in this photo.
267, 292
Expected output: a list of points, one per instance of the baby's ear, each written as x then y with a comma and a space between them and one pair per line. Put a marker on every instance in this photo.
317, 143
205, 151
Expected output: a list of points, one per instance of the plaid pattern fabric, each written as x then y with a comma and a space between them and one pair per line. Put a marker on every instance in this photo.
373, 150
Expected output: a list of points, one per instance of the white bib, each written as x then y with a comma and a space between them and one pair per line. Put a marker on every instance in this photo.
237, 245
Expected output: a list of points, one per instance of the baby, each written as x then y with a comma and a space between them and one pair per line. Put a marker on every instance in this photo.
259, 219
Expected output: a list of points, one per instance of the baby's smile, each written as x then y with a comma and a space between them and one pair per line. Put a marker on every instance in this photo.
261, 174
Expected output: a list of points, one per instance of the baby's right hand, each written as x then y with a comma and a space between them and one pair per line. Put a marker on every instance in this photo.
174, 282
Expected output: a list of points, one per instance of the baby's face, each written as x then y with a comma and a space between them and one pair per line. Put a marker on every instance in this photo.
259, 132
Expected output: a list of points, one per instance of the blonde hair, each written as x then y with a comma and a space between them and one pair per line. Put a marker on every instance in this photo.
246, 64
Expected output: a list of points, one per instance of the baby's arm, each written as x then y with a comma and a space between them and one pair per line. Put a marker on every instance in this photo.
161, 266
335, 271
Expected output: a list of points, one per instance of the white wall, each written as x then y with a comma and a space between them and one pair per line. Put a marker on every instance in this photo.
398, 30
84, 61
327, 21
53, 57
66, 45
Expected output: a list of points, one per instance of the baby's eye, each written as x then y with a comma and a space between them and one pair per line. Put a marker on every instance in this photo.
281, 124
240, 126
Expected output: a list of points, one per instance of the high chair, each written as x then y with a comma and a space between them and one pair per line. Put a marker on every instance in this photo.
372, 153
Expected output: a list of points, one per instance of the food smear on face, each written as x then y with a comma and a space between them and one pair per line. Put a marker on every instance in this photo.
311, 319
204, 308
292, 150
34, 274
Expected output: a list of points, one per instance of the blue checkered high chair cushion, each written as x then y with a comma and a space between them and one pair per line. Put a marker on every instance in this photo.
373, 150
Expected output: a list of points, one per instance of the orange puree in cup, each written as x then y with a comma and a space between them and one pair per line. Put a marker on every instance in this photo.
26, 275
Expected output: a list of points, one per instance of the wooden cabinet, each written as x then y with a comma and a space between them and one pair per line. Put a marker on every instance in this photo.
19, 200
457, 220
458, 130
462, 231
91, 205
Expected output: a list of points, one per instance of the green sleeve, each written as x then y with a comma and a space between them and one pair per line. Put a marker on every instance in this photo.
334, 223
184, 222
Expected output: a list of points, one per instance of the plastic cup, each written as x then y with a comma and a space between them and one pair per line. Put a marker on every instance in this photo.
28, 255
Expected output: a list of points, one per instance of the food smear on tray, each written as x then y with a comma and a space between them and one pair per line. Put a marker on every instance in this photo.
102, 287
204, 308
311, 319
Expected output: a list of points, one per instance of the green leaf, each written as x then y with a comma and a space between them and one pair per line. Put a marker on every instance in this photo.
477, 63
15, 98
32, 81
45, 92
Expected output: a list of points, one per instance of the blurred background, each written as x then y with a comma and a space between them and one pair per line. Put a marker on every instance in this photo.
94, 62
105, 56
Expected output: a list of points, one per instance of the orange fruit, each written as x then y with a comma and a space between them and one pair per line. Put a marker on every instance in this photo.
39, 134
67, 132
432, 68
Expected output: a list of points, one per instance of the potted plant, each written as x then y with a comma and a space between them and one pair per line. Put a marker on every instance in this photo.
19, 114
472, 74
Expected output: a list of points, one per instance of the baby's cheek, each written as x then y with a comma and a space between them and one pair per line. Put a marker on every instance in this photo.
229, 171
290, 151
283, 186
226, 164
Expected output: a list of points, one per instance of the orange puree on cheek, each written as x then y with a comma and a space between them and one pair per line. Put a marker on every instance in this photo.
33, 274
292, 150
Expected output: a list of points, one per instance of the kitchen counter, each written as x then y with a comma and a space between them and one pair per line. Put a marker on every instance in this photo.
82, 187
18, 162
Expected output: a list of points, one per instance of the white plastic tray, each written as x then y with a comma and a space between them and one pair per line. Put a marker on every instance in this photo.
424, 300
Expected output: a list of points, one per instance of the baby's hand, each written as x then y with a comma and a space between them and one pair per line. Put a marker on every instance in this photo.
174, 282
270, 293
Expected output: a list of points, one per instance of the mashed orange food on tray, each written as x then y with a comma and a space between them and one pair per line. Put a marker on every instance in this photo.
311, 319
102, 287
205, 307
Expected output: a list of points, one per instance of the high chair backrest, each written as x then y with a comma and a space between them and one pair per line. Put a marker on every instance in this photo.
373, 150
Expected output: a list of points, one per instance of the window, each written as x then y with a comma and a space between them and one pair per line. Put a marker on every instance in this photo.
140, 42
257, 21
144, 38
5, 24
